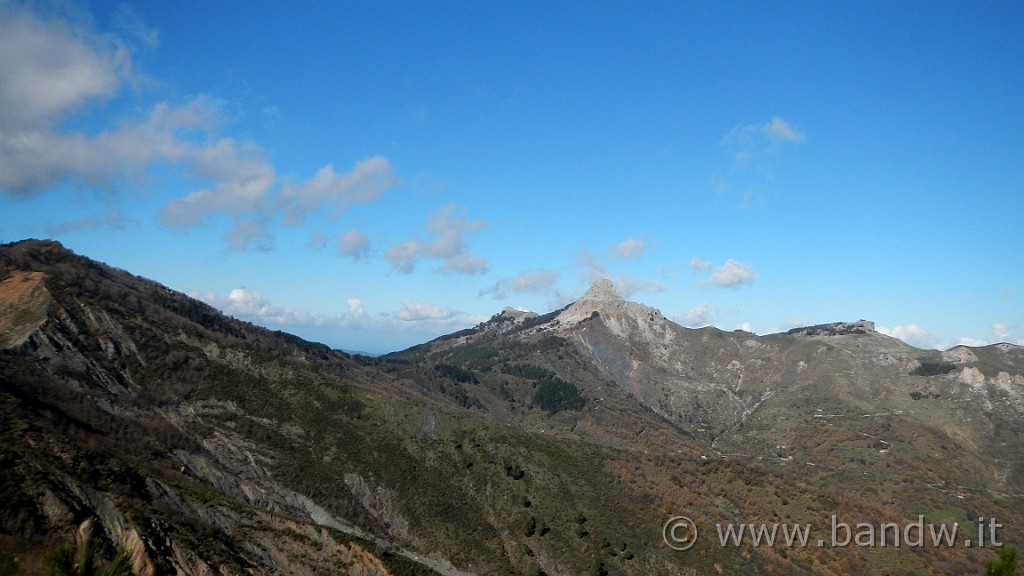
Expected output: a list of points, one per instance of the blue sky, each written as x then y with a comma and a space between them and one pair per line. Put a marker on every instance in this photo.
372, 175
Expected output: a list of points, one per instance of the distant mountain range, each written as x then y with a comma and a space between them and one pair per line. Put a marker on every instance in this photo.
148, 422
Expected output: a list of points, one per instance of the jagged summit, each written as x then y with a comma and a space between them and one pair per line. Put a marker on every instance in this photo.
602, 289
621, 316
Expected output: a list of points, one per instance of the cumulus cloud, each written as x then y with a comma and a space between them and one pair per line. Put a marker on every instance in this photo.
731, 274
445, 242
529, 281
49, 68
243, 181
911, 334
698, 316
630, 249
34, 159
353, 244
698, 265
245, 185
250, 305
355, 306
367, 180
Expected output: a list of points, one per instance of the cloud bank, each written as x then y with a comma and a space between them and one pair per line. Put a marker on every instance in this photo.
51, 69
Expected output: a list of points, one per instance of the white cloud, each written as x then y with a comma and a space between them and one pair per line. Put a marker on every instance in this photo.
49, 68
698, 316
246, 232
965, 341
414, 317
1000, 333
698, 265
630, 249
245, 185
33, 159
529, 281
403, 256
911, 334
355, 306
243, 181
417, 311
445, 243
52, 69
730, 274
250, 305
353, 244
367, 180
916, 336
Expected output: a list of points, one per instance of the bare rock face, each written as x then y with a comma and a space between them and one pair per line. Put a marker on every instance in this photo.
23, 304
602, 289
625, 319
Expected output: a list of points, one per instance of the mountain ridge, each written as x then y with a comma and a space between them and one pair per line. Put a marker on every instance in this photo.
556, 443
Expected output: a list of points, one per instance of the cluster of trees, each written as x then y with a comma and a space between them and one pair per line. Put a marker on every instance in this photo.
555, 395
455, 373
933, 369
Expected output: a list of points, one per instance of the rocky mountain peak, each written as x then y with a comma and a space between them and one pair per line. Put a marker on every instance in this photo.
602, 289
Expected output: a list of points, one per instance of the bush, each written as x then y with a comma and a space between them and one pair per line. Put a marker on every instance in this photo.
933, 368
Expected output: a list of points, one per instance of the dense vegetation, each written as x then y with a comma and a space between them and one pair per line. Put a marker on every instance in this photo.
933, 369
556, 395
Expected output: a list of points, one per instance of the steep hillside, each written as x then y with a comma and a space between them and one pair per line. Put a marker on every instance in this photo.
557, 444
874, 428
